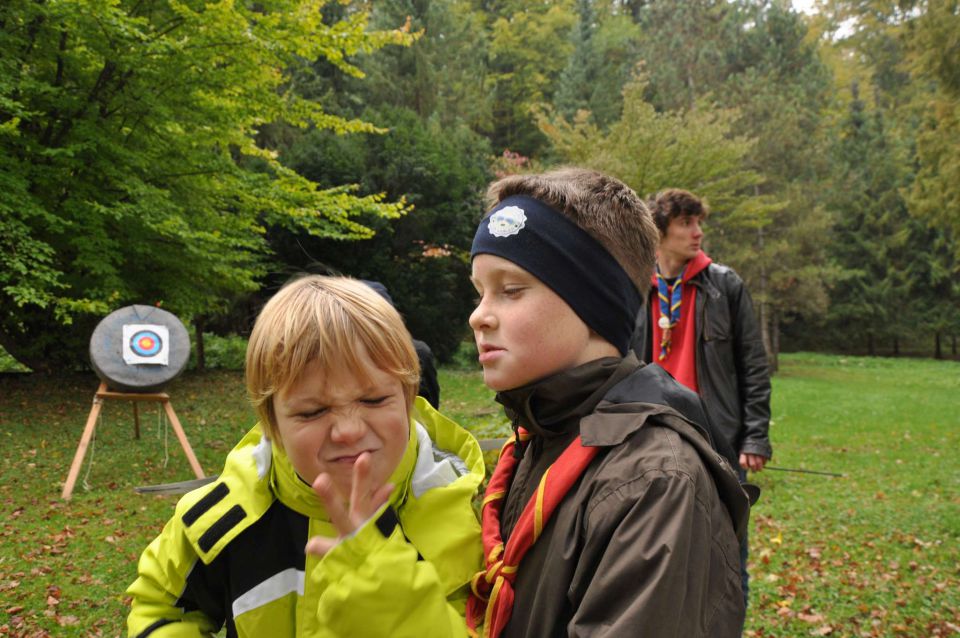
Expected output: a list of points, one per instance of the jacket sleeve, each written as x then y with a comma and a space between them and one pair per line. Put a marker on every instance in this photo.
381, 584
650, 560
162, 605
752, 372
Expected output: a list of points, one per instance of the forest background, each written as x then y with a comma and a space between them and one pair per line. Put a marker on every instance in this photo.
195, 155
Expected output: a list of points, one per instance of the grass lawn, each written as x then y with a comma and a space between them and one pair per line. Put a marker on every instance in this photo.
875, 553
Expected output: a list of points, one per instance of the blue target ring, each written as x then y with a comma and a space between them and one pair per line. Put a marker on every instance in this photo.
146, 343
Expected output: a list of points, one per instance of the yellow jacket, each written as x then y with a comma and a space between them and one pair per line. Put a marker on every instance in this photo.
233, 552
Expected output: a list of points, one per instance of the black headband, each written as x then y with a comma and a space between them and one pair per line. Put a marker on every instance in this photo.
566, 258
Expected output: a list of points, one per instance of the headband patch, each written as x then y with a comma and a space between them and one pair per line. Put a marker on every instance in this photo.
507, 221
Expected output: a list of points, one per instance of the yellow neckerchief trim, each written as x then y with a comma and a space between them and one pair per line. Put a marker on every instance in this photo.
538, 509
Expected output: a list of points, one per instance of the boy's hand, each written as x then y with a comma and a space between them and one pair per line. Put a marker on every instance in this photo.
348, 515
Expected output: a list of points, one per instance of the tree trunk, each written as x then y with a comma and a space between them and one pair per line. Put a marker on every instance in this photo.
765, 318
896, 345
871, 348
953, 345
937, 350
775, 342
201, 355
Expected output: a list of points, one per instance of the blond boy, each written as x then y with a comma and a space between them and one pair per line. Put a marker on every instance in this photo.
345, 463
609, 513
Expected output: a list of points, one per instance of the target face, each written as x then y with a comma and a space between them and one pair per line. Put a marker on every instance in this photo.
145, 344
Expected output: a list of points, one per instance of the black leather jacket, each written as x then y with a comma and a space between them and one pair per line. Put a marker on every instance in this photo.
732, 372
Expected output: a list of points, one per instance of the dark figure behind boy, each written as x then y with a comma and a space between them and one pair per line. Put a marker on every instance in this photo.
429, 384
722, 357
609, 512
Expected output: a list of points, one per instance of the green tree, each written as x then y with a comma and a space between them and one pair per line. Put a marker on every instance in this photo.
130, 168
529, 48
605, 54
651, 150
684, 48
442, 74
871, 231
781, 89
423, 257
430, 100
934, 40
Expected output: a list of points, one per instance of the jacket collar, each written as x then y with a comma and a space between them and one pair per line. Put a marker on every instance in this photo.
648, 391
553, 406
299, 496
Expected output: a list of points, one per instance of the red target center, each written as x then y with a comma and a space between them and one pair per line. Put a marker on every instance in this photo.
146, 343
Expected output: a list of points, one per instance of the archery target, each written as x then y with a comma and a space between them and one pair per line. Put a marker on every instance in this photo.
146, 344
139, 348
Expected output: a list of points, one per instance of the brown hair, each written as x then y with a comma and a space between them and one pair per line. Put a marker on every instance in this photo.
603, 206
671, 203
330, 321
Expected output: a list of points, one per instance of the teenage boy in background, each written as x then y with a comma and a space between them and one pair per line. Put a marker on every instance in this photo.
700, 327
608, 513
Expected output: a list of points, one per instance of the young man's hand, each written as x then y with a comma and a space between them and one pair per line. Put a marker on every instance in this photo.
752, 462
347, 515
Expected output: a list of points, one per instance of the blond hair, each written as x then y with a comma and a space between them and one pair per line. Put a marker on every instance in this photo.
328, 321
603, 206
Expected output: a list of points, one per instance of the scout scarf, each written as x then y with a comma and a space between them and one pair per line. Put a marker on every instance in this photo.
491, 597
669, 297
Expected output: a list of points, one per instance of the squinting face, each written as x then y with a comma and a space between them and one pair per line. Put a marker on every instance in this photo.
325, 421
523, 329
684, 238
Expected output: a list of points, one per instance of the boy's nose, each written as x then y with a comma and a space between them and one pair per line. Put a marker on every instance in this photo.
348, 428
480, 318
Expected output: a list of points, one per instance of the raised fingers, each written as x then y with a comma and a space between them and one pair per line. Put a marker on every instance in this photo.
334, 503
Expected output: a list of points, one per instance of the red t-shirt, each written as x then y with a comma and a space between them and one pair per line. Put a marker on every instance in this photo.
681, 361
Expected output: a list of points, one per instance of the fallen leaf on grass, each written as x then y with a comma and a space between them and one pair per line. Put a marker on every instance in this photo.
826, 630
811, 618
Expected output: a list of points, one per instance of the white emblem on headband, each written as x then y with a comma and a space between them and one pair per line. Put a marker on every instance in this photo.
507, 221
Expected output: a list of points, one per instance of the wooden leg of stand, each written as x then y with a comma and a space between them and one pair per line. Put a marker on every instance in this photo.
183, 439
82, 448
136, 421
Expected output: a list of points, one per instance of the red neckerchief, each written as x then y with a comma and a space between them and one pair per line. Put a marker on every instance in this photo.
491, 596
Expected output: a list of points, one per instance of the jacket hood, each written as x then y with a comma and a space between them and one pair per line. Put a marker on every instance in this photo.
692, 269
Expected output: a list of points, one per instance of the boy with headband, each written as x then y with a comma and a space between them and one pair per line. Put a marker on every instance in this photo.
609, 512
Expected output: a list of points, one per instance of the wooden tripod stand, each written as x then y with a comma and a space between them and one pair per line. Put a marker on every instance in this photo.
102, 394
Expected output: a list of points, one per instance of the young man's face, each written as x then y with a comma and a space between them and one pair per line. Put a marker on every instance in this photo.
523, 329
325, 421
683, 240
